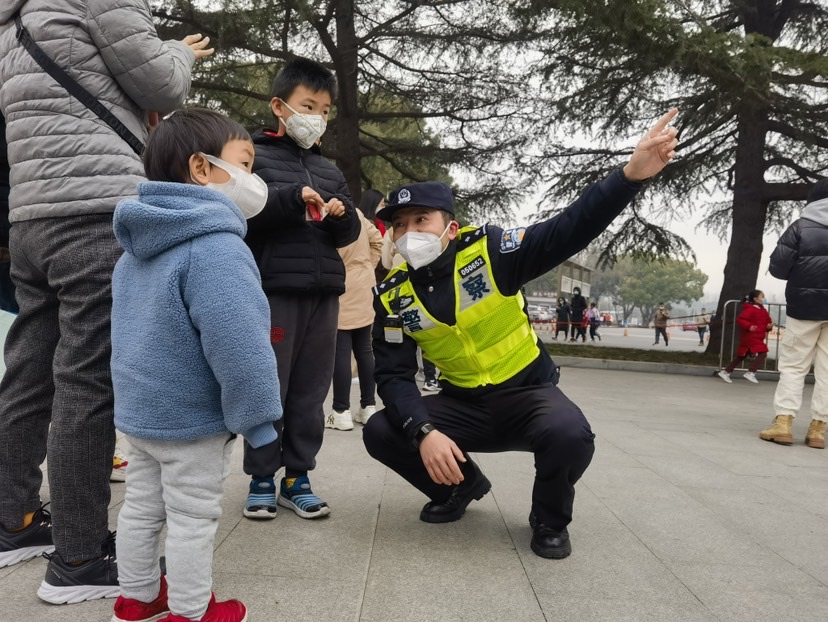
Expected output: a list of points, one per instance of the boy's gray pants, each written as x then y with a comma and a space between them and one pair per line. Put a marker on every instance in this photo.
57, 372
180, 484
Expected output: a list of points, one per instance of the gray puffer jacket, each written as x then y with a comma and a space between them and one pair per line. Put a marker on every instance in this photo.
64, 160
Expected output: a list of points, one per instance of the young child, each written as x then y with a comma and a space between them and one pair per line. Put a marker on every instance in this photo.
192, 365
308, 216
754, 322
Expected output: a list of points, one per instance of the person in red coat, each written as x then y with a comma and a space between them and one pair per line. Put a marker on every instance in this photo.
755, 322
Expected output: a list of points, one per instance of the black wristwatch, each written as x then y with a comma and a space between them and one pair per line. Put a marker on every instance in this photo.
421, 433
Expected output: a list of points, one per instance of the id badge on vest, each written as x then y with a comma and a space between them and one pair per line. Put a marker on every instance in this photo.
393, 328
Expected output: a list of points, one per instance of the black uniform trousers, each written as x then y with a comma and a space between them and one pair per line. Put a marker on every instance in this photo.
539, 418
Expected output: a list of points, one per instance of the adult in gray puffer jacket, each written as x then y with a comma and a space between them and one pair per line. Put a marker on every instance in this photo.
801, 258
68, 171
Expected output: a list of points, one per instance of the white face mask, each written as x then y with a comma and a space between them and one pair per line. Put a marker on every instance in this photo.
246, 190
420, 249
304, 129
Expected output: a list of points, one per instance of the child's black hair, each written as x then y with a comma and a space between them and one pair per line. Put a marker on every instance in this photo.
819, 191
183, 133
752, 295
368, 205
303, 72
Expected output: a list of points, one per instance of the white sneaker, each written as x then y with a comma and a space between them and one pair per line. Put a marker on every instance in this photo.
750, 377
725, 376
364, 414
339, 421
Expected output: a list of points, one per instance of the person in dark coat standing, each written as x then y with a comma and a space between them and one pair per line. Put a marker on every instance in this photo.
562, 314
578, 307
801, 258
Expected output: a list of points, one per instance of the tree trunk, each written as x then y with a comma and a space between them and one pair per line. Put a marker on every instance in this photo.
749, 214
347, 111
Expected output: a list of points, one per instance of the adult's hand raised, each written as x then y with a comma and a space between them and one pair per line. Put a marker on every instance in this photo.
654, 150
198, 44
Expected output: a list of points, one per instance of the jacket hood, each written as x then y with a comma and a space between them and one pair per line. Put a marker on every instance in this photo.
167, 214
817, 211
6, 12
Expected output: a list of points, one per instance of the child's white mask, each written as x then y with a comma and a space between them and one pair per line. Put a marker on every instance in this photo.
304, 129
246, 190
420, 249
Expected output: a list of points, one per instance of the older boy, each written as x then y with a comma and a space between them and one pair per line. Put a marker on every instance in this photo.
458, 297
294, 240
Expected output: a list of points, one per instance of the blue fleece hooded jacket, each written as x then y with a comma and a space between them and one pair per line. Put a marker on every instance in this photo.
191, 352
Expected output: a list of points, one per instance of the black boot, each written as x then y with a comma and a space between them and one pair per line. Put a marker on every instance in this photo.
473, 488
547, 542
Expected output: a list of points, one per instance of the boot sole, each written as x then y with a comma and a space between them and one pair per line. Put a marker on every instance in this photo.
480, 490
9, 558
62, 595
815, 444
780, 440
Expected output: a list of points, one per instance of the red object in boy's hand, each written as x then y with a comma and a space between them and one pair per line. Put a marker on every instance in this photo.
313, 211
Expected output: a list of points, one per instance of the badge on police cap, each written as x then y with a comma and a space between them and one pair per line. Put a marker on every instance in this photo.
404, 196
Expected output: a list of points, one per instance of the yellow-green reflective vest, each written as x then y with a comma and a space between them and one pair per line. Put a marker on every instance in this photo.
491, 340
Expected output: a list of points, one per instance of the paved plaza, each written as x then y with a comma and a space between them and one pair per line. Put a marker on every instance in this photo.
684, 516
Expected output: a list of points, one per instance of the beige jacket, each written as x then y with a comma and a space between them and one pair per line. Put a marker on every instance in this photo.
391, 258
356, 305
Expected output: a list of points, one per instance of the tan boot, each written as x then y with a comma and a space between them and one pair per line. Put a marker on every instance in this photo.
780, 431
816, 434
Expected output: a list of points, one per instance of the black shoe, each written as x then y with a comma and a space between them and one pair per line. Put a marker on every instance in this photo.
547, 542
18, 546
93, 579
470, 489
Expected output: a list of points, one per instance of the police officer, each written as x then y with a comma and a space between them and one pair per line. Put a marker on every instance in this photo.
458, 297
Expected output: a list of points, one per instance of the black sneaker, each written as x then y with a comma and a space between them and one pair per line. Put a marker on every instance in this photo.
93, 579
18, 546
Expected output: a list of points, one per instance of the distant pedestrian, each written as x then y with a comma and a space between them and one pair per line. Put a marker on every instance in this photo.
801, 257
562, 315
594, 320
578, 307
754, 322
702, 322
660, 323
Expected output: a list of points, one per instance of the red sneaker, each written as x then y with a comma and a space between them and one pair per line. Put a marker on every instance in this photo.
224, 611
131, 610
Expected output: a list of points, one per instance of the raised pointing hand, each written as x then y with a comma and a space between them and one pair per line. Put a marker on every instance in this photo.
654, 150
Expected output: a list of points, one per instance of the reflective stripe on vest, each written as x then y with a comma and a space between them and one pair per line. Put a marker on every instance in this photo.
491, 340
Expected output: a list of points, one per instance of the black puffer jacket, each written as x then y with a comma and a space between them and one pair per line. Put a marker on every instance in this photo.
801, 258
296, 255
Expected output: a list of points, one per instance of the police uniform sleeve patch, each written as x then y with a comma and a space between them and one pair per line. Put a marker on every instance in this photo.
511, 239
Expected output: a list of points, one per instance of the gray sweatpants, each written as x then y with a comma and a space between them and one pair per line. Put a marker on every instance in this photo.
180, 484
303, 334
57, 390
